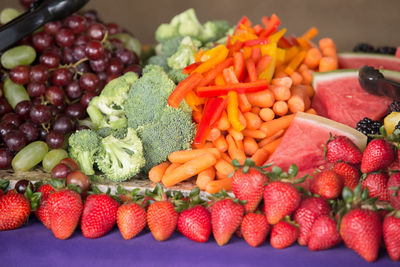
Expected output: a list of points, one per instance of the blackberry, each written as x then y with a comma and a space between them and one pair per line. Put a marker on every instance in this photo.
364, 47
397, 126
394, 107
368, 126
388, 50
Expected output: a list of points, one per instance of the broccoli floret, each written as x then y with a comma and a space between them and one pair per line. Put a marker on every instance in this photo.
147, 98
173, 131
106, 131
214, 30
106, 110
185, 54
121, 159
169, 47
159, 60
176, 75
152, 67
166, 31
84, 145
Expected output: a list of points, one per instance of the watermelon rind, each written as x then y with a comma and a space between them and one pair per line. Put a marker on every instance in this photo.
347, 59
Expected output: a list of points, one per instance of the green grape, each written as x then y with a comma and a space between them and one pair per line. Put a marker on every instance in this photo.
19, 55
130, 42
29, 156
14, 93
8, 14
52, 158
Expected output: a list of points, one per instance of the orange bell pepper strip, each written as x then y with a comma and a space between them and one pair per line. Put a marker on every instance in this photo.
190, 68
233, 111
194, 101
221, 52
311, 33
216, 90
183, 88
210, 75
251, 70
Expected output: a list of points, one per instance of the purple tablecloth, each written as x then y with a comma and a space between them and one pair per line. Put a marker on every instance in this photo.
34, 245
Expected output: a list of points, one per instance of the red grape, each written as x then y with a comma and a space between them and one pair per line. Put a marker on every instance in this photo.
22, 185
75, 111
42, 40
55, 95
5, 158
94, 50
73, 90
134, 68
52, 27
40, 114
100, 64
49, 59
89, 81
30, 131
60, 171
36, 89
4, 106
23, 108
115, 66
80, 179
15, 140
68, 56
20, 74
55, 139
78, 51
63, 125
39, 74
76, 23
86, 99
65, 37
12, 118
96, 31
5, 128
113, 28
125, 56
61, 77
112, 77
81, 40
72, 165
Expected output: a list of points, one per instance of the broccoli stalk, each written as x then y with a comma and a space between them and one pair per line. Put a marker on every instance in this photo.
84, 145
121, 159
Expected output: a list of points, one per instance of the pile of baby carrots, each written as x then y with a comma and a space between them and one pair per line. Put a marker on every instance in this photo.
244, 95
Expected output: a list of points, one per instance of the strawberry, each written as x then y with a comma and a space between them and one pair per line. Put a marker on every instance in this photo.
195, 223
324, 234
391, 235
99, 215
361, 231
309, 210
226, 217
327, 184
42, 212
254, 228
377, 156
131, 219
65, 209
280, 200
14, 210
349, 173
342, 148
283, 234
249, 186
376, 183
393, 185
162, 219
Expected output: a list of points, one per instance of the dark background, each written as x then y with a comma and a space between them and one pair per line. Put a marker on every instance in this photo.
346, 21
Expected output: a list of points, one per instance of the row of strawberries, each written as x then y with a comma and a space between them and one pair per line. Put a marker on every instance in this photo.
338, 206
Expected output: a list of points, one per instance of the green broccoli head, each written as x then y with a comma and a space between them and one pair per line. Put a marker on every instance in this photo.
214, 30
147, 98
159, 60
121, 158
84, 145
173, 131
176, 75
185, 54
166, 31
106, 110
152, 67
169, 47
188, 24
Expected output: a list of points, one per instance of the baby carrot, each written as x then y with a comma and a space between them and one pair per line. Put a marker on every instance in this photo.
238, 65
329, 51
327, 64
250, 146
208, 145
226, 157
213, 134
244, 104
280, 108
204, 177
281, 93
236, 135
311, 111
257, 134
271, 138
311, 33
271, 127
221, 144
326, 42
182, 156
260, 156
285, 81
157, 172
223, 123
296, 78
296, 101
224, 167
239, 144
263, 99
189, 169
307, 77
253, 121
242, 119
266, 114
171, 168
255, 109
217, 185
272, 146
310, 91
233, 151
251, 70
220, 176
312, 58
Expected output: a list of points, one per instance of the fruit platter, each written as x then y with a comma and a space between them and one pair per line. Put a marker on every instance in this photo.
240, 141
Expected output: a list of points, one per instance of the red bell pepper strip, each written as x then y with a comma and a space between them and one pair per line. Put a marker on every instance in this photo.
183, 88
218, 90
255, 54
228, 41
272, 26
218, 113
188, 69
284, 43
211, 106
210, 75
238, 65
235, 47
244, 20
254, 42
258, 29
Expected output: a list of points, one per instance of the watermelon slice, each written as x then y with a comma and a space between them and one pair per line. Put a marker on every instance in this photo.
339, 96
304, 141
352, 60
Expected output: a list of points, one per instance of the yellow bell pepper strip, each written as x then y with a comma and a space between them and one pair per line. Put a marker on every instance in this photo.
211, 106
210, 75
194, 101
233, 111
270, 50
295, 62
185, 86
220, 56
311, 33
190, 68
271, 26
219, 80
216, 90
274, 38
291, 53
212, 52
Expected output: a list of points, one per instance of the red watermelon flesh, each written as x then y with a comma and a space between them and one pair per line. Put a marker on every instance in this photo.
339, 96
304, 141
357, 60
